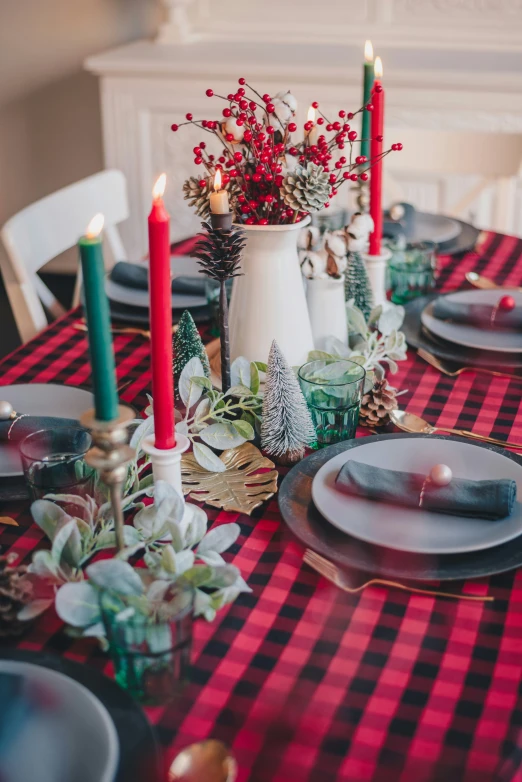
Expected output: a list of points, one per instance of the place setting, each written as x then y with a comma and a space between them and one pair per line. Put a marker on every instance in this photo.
262, 484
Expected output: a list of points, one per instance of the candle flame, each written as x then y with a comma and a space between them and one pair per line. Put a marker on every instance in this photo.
95, 227
159, 187
311, 114
378, 68
217, 180
368, 51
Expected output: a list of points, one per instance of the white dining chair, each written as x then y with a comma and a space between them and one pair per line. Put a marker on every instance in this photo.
43, 230
493, 158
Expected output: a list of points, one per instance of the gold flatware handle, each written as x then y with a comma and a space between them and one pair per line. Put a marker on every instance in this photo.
333, 574
440, 366
482, 437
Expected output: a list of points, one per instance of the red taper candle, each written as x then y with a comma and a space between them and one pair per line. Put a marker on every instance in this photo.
376, 146
161, 320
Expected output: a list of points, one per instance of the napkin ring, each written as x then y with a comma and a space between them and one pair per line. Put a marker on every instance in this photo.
18, 418
440, 475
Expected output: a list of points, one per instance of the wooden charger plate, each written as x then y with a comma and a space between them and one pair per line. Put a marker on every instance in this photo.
307, 524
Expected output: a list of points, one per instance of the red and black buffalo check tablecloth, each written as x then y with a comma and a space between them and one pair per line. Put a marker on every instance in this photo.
303, 681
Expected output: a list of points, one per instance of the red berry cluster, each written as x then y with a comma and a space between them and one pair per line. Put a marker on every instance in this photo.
259, 153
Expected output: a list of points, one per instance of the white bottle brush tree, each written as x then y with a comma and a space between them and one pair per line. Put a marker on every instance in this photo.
287, 426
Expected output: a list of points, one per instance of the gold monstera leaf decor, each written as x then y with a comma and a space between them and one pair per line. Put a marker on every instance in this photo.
241, 487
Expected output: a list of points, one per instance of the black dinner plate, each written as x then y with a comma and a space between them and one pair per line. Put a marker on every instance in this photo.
418, 337
464, 242
309, 526
139, 758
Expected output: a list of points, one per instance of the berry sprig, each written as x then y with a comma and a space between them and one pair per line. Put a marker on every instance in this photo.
257, 150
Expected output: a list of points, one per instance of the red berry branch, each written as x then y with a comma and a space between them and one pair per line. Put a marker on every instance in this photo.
259, 154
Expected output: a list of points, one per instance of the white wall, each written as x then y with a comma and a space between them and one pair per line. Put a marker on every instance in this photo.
50, 128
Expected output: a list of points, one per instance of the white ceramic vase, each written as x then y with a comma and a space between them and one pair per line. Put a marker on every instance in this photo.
327, 309
268, 301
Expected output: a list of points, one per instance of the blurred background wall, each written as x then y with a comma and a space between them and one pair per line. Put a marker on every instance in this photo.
50, 128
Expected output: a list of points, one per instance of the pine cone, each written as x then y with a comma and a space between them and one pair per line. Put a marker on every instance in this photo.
15, 592
306, 189
199, 196
377, 403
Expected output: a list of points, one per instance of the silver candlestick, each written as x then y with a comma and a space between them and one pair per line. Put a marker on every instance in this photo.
110, 456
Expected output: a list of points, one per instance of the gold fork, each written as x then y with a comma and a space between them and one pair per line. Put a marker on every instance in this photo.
438, 364
332, 573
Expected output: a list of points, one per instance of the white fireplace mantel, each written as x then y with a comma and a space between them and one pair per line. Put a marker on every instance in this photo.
147, 86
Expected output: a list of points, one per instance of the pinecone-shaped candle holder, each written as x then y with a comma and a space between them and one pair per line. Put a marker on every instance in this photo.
219, 255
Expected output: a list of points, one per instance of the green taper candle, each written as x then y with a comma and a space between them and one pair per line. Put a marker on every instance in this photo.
367, 91
98, 322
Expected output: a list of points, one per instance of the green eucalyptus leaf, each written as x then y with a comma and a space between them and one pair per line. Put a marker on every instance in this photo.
212, 558
224, 576
77, 604
116, 575
47, 515
238, 390
240, 372
262, 367
320, 355
198, 575
222, 436
219, 538
207, 458
195, 524
60, 539
189, 391
203, 382
254, 378
244, 429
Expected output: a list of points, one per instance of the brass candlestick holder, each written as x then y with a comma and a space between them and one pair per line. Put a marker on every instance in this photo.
110, 456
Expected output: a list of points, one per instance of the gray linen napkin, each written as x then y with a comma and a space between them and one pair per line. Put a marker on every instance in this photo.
477, 314
27, 424
131, 275
490, 500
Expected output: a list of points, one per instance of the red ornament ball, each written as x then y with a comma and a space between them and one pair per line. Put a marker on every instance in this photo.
241, 80
349, 115
202, 182
174, 127
327, 204
270, 130
378, 88
209, 93
507, 303
292, 127
241, 91
320, 121
289, 213
256, 177
360, 159
229, 137
247, 136
263, 221
270, 108
380, 139
238, 156
364, 176
243, 104
227, 113
346, 175
354, 177
267, 98
189, 117
202, 144
352, 135
250, 221
342, 113
252, 105
198, 161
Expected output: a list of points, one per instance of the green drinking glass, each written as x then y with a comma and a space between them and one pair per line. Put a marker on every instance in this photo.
333, 390
412, 271
150, 647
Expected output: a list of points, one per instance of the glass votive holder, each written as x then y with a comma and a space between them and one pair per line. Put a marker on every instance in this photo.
412, 271
53, 461
150, 645
333, 390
